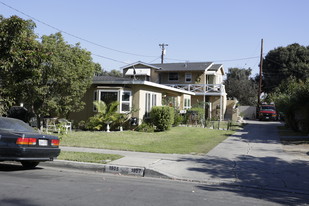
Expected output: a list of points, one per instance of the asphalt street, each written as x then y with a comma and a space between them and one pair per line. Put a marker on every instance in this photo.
54, 186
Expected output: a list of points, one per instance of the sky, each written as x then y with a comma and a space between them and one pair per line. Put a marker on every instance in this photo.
121, 32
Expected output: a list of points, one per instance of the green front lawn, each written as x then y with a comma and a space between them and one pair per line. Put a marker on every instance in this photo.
178, 140
88, 157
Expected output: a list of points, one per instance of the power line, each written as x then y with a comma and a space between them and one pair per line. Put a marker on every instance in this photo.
104, 57
225, 60
108, 48
72, 35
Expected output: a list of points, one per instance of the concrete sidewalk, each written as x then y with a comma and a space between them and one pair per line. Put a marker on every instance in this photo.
253, 157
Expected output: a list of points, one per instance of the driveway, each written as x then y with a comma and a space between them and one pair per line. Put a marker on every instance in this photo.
253, 157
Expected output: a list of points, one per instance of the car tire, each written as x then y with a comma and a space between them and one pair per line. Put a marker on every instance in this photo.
29, 164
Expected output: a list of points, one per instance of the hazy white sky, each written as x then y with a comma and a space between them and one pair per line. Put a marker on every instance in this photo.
126, 31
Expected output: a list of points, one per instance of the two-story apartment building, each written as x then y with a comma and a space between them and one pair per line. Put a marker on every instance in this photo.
143, 86
204, 79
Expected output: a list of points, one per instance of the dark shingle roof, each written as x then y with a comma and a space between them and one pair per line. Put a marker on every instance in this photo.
110, 78
187, 66
215, 67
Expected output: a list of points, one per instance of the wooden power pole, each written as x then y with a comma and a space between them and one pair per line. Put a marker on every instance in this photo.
163, 51
261, 71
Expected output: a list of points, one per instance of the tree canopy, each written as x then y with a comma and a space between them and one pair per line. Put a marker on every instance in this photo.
49, 76
292, 98
283, 63
238, 84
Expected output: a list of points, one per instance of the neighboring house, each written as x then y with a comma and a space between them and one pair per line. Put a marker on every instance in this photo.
204, 79
143, 86
139, 95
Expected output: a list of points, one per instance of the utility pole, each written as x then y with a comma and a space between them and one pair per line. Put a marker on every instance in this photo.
261, 71
163, 51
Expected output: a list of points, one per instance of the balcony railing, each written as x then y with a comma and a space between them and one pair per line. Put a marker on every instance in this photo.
200, 89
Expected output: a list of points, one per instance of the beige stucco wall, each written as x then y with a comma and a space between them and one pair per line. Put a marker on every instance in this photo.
138, 100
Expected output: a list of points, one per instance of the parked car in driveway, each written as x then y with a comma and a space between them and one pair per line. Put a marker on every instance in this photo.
20, 142
267, 112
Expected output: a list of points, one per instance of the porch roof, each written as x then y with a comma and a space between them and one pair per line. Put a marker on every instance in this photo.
110, 80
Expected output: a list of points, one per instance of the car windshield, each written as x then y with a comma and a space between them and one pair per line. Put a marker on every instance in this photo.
14, 125
268, 108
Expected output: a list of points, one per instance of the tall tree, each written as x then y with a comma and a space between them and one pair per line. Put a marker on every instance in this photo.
49, 77
239, 84
292, 98
283, 63
20, 59
66, 74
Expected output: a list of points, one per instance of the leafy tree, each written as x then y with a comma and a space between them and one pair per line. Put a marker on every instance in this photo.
292, 98
102, 72
20, 59
239, 84
115, 73
66, 75
50, 77
284, 62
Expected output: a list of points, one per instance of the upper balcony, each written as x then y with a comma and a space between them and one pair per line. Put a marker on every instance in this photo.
201, 89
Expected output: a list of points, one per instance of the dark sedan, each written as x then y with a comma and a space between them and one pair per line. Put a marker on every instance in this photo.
20, 142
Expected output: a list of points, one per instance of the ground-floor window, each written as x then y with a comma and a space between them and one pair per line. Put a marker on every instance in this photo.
108, 96
150, 101
187, 103
126, 102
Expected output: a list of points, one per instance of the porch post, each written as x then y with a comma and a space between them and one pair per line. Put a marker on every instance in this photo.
221, 107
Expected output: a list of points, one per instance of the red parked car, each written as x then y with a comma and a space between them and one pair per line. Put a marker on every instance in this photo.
267, 112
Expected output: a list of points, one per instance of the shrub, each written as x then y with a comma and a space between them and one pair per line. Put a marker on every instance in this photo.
145, 127
95, 123
162, 117
177, 118
195, 116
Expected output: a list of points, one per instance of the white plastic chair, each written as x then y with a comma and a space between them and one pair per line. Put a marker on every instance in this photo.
66, 124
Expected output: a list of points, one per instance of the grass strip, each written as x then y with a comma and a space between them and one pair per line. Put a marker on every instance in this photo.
178, 140
88, 157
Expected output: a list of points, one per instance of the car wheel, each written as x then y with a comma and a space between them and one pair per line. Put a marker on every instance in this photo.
29, 164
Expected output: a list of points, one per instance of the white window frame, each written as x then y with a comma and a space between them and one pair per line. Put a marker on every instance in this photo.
188, 75
121, 101
187, 103
97, 96
150, 101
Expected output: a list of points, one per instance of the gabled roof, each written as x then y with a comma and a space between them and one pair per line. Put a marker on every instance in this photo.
187, 66
139, 63
216, 68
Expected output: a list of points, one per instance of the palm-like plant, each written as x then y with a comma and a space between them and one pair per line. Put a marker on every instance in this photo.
106, 113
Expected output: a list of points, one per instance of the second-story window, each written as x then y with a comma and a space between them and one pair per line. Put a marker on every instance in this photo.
173, 76
188, 77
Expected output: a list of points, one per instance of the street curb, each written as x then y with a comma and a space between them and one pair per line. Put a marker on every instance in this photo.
105, 168
144, 172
